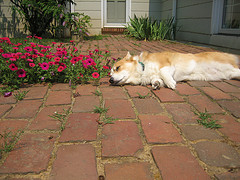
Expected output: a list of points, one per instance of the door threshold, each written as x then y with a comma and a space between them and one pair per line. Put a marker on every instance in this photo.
112, 30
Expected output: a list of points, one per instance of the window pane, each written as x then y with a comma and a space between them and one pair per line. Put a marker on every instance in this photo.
231, 14
116, 11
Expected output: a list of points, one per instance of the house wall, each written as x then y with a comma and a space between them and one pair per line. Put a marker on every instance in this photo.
145, 8
10, 25
195, 20
91, 8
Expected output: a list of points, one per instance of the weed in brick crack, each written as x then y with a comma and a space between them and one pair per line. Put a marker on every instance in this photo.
205, 119
9, 139
109, 120
97, 93
142, 96
100, 110
61, 118
20, 95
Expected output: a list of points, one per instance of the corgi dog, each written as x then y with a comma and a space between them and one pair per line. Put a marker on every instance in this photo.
167, 68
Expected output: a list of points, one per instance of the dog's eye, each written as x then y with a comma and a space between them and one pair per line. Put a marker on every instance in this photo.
117, 68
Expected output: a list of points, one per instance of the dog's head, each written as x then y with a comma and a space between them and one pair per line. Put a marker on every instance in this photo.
124, 71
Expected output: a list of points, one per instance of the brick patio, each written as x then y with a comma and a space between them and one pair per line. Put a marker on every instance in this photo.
153, 138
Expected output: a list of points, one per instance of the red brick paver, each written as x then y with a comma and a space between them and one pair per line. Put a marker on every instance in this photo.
156, 137
159, 129
128, 171
75, 162
177, 162
121, 139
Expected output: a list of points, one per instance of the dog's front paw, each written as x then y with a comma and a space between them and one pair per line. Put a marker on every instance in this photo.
157, 84
171, 84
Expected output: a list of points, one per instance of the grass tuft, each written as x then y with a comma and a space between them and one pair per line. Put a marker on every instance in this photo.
9, 139
20, 95
61, 118
100, 110
205, 119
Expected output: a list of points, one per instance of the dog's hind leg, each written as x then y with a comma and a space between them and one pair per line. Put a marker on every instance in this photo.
235, 74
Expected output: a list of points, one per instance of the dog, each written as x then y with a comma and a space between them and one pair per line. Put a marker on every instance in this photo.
167, 68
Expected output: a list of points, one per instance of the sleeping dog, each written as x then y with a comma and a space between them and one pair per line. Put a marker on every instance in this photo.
167, 68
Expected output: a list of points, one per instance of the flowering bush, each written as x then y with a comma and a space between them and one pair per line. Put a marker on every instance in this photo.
33, 62
78, 23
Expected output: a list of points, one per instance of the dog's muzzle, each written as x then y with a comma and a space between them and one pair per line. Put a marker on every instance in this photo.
111, 80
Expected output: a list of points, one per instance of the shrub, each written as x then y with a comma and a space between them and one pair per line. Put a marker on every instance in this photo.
32, 62
144, 28
49, 16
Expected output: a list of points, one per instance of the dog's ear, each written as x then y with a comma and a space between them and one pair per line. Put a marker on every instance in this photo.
143, 55
128, 56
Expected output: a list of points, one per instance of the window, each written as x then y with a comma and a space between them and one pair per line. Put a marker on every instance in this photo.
226, 17
116, 12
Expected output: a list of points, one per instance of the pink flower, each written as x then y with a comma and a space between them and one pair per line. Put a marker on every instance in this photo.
29, 60
28, 48
44, 66
60, 68
6, 55
31, 64
95, 75
13, 59
50, 63
7, 94
34, 56
13, 67
105, 67
15, 48
40, 55
49, 56
21, 73
57, 59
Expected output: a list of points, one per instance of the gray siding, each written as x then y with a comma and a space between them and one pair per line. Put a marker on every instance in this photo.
194, 20
165, 9
93, 9
10, 25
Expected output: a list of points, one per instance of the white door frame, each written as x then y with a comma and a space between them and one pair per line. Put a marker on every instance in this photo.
104, 15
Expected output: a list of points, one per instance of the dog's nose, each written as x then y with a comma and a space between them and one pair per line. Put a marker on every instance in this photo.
111, 80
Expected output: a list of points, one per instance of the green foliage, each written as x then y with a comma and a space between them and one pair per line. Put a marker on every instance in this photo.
97, 93
144, 28
31, 61
205, 119
109, 120
61, 117
50, 16
142, 96
20, 95
100, 110
78, 23
9, 139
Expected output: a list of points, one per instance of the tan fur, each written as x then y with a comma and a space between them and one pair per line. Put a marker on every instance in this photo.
171, 58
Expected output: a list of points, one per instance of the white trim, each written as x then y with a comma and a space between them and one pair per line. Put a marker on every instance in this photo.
104, 15
72, 7
102, 11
